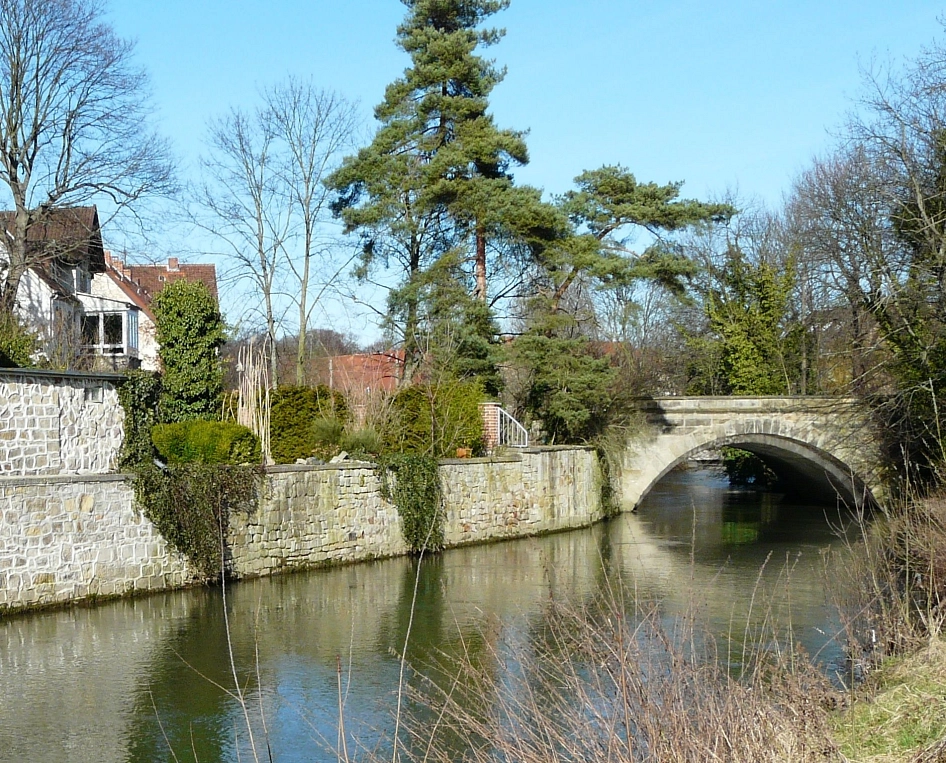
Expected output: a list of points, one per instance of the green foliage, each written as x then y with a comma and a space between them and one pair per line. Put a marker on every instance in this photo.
206, 442
190, 331
436, 419
745, 468
328, 430
293, 413
139, 394
362, 443
416, 492
435, 179
607, 203
753, 347
191, 505
17, 342
568, 386
464, 337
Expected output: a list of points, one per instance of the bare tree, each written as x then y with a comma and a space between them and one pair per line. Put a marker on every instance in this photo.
314, 128
243, 202
839, 218
73, 123
263, 197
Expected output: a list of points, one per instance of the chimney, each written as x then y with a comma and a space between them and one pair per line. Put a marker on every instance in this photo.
172, 264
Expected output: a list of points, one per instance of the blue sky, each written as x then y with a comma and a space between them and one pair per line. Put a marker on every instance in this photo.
734, 94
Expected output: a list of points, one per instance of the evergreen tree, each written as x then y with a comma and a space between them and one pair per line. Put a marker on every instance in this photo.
754, 340
435, 180
190, 331
607, 208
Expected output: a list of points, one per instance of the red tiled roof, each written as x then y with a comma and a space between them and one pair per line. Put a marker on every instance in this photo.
141, 282
153, 278
71, 234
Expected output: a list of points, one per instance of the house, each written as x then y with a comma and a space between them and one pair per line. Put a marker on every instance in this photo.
90, 309
138, 284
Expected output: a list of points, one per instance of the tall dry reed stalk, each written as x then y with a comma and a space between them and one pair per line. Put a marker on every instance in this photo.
892, 594
615, 681
253, 405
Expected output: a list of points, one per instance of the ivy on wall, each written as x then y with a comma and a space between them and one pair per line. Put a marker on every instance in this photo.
138, 394
415, 491
191, 505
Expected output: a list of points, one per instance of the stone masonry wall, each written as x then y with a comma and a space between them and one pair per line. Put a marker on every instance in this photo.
315, 515
58, 423
541, 490
67, 538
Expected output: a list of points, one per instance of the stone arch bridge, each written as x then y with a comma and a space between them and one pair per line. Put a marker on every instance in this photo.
819, 444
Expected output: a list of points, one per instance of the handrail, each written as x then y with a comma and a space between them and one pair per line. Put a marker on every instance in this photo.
511, 432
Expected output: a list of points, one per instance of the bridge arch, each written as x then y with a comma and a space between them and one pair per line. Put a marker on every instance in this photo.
827, 444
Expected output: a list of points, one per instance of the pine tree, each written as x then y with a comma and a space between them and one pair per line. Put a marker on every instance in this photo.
435, 180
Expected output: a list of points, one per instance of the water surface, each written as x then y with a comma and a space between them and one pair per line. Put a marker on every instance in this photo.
130, 680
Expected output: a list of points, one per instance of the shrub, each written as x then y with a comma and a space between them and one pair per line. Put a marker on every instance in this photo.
436, 419
362, 442
190, 331
293, 411
17, 343
206, 442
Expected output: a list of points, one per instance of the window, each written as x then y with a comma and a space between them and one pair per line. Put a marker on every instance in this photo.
90, 330
132, 329
111, 333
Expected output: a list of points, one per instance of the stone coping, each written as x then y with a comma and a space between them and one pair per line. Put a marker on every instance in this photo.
286, 468
41, 479
115, 378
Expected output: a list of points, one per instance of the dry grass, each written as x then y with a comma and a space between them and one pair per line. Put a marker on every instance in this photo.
894, 595
612, 681
900, 714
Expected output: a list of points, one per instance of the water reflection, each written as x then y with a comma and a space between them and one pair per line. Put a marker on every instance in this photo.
124, 681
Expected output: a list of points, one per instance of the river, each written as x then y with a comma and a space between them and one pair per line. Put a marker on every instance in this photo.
129, 680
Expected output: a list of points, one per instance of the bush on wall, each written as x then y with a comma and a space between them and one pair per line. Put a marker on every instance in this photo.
436, 419
190, 331
17, 342
206, 442
294, 413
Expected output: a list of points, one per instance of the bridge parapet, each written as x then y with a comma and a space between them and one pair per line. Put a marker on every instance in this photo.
828, 441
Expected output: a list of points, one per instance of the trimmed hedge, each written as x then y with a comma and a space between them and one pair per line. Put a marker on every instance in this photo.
436, 420
206, 442
294, 411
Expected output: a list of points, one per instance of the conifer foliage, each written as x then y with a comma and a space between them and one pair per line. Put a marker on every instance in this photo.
435, 181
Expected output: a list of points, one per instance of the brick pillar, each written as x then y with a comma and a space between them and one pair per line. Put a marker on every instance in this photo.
490, 414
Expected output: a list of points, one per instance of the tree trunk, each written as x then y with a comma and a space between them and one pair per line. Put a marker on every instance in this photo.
480, 264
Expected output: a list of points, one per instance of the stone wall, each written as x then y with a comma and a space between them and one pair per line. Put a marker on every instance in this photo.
539, 490
68, 538
318, 515
312, 515
59, 423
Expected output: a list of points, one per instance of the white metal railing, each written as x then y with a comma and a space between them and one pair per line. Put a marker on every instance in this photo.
511, 433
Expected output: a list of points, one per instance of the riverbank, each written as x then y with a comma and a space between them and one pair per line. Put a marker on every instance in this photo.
899, 712
66, 539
